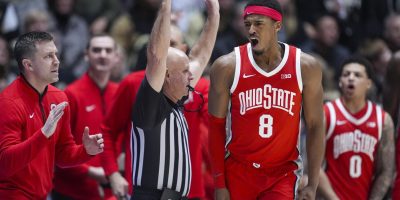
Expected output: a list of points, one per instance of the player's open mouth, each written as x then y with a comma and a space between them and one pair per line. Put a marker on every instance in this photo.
351, 87
254, 42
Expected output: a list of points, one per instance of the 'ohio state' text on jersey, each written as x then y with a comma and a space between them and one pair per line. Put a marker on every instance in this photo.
265, 110
351, 144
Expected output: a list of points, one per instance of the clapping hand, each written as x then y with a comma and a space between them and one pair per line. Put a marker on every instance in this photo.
52, 120
93, 144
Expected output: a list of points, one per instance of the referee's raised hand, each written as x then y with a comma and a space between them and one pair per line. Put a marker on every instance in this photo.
52, 120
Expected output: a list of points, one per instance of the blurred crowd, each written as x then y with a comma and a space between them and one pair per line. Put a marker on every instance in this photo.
330, 30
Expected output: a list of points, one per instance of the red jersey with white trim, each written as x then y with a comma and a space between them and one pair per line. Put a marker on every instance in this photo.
351, 144
265, 111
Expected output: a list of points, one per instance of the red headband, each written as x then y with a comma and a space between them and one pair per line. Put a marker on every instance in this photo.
262, 10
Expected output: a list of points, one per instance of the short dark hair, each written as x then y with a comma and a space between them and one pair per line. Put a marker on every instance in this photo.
100, 35
266, 3
359, 60
26, 45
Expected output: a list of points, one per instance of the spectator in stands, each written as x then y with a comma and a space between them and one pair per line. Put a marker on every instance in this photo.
89, 98
72, 36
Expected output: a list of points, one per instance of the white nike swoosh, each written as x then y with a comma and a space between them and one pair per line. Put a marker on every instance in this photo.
31, 116
90, 108
248, 75
339, 123
371, 124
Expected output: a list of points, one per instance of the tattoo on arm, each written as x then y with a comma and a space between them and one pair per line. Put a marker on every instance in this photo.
384, 163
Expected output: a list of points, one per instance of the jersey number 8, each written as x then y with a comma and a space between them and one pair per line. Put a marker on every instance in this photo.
265, 128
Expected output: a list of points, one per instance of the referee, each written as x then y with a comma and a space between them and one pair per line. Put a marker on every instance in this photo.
161, 167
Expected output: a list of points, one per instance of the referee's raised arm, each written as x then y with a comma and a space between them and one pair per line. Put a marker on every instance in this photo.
157, 50
200, 54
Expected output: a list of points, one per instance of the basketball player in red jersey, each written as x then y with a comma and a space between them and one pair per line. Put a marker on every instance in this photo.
263, 85
359, 140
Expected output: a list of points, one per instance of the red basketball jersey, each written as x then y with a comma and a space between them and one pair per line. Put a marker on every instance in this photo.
351, 145
265, 111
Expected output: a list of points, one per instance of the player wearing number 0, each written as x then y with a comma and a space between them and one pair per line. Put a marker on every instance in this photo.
264, 84
359, 140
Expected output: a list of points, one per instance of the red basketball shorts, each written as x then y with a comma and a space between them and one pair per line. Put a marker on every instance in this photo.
248, 183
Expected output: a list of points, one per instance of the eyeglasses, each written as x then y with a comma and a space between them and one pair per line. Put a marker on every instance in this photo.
194, 101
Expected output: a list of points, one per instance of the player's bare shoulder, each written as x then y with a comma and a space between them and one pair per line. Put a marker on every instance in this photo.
223, 69
310, 67
309, 62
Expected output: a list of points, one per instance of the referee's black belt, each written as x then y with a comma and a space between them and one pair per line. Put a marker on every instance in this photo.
164, 194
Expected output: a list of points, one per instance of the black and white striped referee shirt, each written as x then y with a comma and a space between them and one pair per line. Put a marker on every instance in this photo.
159, 143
